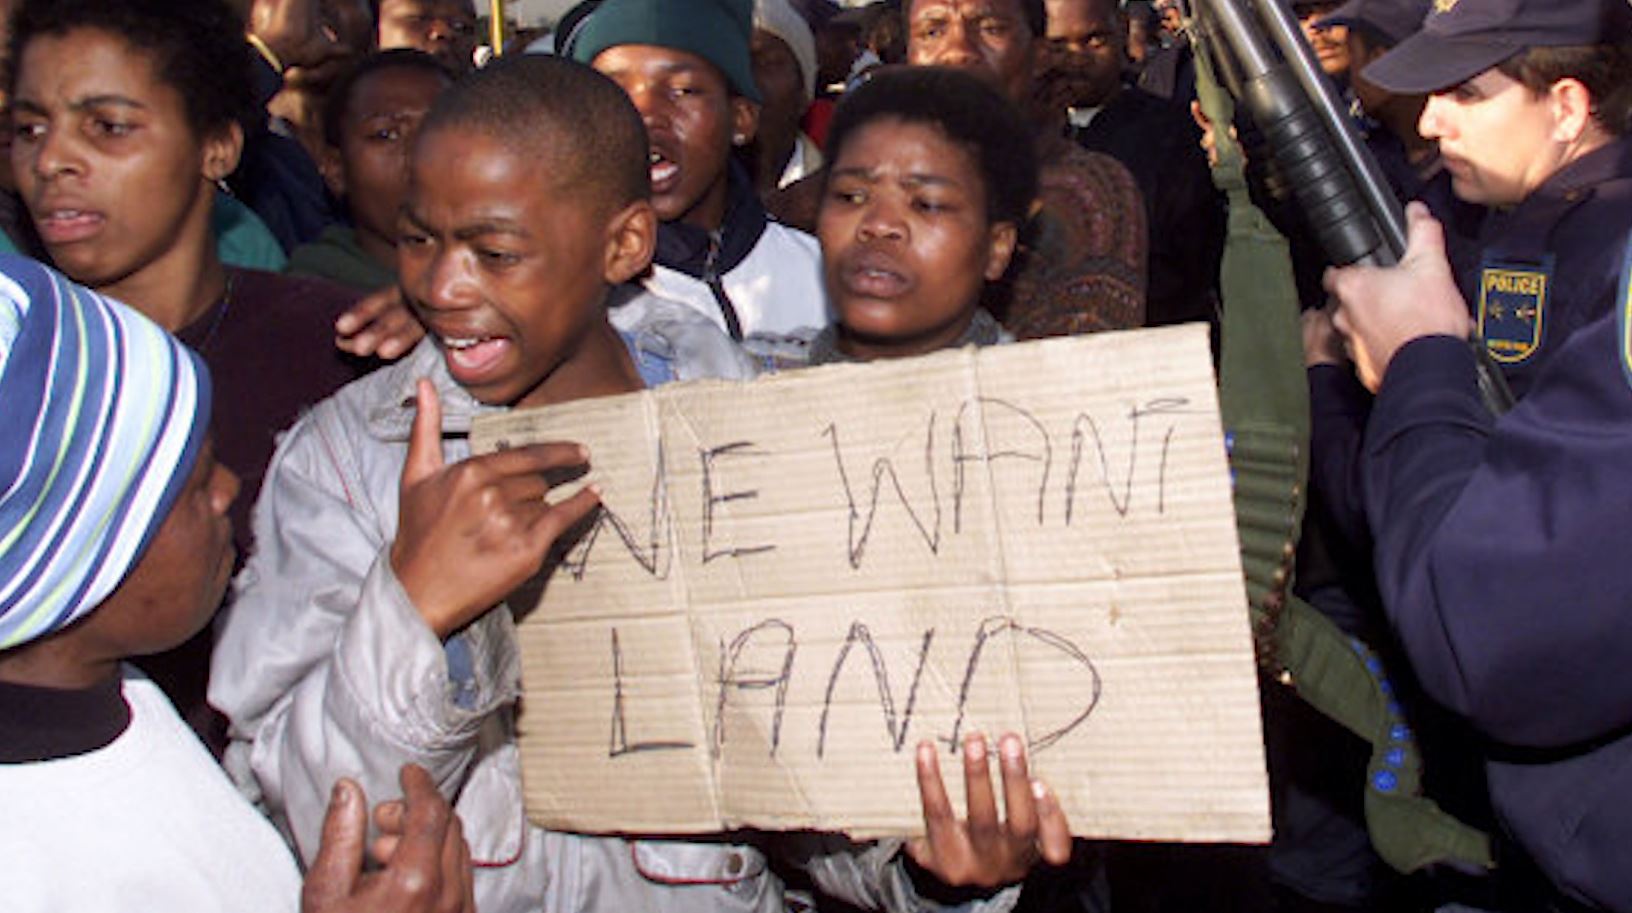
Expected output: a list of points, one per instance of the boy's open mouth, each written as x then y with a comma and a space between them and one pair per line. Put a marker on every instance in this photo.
471, 357
664, 172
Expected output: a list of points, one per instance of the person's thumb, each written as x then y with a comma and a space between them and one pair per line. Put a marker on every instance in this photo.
339, 863
425, 439
1424, 236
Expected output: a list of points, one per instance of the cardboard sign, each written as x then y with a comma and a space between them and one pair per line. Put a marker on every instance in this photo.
794, 581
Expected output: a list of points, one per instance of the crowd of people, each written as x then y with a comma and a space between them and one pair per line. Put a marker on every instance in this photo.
269, 259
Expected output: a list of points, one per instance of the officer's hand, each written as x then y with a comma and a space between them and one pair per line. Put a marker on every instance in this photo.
1321, 343
425, 864
294, 30
985, 851
470, 533
1382, 309
379, 325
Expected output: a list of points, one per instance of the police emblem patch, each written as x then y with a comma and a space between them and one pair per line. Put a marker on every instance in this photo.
1513, 309
1444, 6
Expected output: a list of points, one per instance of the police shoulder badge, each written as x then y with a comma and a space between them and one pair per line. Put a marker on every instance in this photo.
1513, 308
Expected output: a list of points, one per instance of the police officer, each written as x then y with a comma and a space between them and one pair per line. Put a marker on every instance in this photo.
1529, 101
1501, 556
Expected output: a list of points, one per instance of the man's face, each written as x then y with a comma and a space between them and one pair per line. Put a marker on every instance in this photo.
989, 38
1081, 63
370, 167
1495, 136
780, 81
692, 120
503, 263
351, 25
444, 29
1330, 44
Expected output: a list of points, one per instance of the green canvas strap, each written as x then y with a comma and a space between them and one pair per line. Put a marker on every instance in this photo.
1264, 401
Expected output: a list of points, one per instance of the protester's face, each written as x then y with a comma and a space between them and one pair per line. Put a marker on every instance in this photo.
504, 266
781, 84
1140, 39
1330, 44
370, 168
351, 24
114, 176
178, 584
1081, 63
1495, 136
692, 120
906, 246
1172, 19
1372, 97
989, 38
445, 29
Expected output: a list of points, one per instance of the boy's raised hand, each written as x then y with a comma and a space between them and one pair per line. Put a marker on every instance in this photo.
470, 533
984, 850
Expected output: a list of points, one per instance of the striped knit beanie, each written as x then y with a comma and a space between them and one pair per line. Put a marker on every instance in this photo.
104, 415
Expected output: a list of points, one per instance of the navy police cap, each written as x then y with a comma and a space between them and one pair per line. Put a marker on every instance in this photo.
1462, 38
1393, 20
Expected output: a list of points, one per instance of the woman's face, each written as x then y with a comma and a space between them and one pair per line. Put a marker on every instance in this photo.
114, 176
906, 245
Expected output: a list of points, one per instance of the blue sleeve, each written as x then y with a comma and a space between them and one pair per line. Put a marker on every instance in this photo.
1338, 409
1501, 546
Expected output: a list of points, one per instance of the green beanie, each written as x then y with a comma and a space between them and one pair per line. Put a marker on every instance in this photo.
715, 30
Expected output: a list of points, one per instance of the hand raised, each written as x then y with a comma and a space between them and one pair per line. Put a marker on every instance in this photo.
425, 862
470, 533
983, 850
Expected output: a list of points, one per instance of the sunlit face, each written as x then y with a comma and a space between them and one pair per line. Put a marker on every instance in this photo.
444, 29
1330, 44
692, 120
906, 245
1496, 138
504, 267
182, 575
370, 167
989, 38
1081, 62
117, 182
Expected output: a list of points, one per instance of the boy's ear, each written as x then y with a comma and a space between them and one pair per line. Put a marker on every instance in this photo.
1001, 240
631, 240
222, 150
744, 121
332, 167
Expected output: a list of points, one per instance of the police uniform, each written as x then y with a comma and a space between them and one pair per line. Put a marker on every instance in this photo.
1502, 557
1550, 265
1498, 544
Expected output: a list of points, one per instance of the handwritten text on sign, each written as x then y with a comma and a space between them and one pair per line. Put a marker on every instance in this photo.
795, 581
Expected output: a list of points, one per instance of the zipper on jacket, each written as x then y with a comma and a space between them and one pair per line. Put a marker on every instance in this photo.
711, 278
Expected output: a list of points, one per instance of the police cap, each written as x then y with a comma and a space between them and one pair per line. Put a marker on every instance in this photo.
1392, 20
1462, 38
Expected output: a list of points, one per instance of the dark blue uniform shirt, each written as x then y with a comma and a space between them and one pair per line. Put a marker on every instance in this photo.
1504, 557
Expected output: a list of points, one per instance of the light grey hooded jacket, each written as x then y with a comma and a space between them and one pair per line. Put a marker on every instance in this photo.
326, 670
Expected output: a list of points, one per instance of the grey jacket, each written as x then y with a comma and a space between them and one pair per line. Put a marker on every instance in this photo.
326, 670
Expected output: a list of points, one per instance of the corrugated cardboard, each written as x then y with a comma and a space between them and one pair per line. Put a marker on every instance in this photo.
795, 581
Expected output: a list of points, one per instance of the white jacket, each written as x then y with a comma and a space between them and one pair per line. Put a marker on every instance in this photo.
326, 670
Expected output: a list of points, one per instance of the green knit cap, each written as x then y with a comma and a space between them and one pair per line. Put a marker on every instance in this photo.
715, 30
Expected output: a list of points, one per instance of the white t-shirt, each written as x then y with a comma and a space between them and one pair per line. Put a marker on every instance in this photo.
149, 822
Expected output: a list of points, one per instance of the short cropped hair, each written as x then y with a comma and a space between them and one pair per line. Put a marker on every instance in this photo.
197, 47
1605, 69
543, 102
968, 111
338, 103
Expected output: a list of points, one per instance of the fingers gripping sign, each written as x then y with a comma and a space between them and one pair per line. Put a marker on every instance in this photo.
1382, 309
470, 533
987, 849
